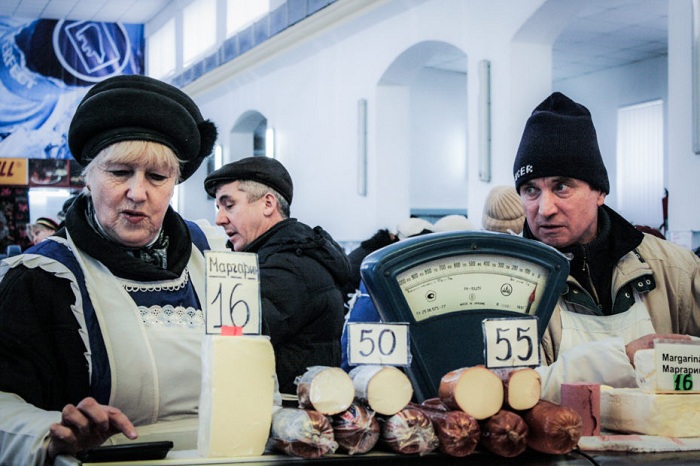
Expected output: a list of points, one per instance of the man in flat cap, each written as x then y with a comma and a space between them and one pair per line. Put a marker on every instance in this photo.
625, 287
303, 271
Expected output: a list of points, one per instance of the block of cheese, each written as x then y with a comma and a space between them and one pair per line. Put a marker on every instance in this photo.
238, 383
645, 369
634, 411
584, 398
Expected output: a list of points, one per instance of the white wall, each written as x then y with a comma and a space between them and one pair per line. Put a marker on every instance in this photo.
309, 90
683, 164
438, 139
605, 92
309, 95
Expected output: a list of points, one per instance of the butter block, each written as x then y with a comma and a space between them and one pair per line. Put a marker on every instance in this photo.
238, 383
634, 411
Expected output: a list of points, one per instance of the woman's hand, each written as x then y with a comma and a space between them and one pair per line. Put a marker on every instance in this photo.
85, 426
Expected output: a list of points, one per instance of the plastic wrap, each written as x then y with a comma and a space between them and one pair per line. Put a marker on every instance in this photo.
302, 432
356, 430
409, 432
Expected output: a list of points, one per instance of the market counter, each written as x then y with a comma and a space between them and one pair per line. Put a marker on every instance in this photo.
575, 458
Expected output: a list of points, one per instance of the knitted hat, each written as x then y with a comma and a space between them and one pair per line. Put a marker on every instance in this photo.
453, 223
503, 211
560, 140
413, 226
47, 222
264, 170
133, 107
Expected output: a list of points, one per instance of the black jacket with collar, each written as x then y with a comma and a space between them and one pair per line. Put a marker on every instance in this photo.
303, 273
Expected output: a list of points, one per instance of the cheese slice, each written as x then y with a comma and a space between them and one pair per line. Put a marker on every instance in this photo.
645, 369
632, 410
238, 383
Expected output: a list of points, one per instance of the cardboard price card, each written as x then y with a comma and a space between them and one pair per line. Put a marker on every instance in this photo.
233, 291
511, 342
677, 366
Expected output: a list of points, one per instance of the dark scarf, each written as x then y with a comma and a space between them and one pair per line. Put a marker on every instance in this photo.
155, 253
592, 264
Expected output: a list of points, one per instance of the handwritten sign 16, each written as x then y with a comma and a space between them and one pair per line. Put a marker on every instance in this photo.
233, 291
677, 366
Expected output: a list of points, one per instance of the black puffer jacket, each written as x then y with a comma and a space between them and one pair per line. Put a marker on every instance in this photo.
302, 274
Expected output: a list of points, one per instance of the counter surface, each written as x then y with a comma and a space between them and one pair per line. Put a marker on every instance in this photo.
576, 458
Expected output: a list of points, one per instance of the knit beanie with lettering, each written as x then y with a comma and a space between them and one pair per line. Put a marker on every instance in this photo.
503, 211
559, 140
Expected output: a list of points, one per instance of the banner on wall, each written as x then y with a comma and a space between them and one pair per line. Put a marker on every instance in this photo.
47, 67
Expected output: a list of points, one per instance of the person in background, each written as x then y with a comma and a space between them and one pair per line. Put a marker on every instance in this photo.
101, 325
361, 307
452, 222
42, 229
64, 209
303, 271
383, 237
625, 287
503, 211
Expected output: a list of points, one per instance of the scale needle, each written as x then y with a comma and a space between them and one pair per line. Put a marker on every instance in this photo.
530, 300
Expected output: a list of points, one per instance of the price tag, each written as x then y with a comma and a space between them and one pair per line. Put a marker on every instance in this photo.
677, 366
375, 343
233, 291
511, 342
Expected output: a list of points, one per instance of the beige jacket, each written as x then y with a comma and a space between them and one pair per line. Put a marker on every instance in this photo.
667, 277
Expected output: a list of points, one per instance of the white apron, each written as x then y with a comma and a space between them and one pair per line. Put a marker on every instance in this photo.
134, 364
581, 328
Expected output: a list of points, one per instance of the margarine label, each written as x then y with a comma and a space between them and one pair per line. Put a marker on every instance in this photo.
677, 366
232, 284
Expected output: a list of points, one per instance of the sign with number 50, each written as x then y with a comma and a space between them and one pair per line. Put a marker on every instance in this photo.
511, 342
374, 343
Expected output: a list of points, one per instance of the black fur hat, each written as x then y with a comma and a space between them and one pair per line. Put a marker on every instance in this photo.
134, 107
560, 140
262, 169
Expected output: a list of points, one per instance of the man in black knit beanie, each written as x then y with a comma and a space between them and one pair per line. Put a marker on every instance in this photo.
625, 287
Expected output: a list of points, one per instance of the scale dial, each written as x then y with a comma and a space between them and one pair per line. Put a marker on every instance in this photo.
472, 282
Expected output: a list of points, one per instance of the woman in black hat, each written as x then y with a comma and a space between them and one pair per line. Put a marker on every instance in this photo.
97, 321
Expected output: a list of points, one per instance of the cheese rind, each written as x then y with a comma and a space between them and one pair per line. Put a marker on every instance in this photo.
631, 410
238, 383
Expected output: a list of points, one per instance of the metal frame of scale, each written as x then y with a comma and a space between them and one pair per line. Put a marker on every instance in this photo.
455, 280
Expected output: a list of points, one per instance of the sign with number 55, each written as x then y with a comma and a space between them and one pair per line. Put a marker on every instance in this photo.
511, 342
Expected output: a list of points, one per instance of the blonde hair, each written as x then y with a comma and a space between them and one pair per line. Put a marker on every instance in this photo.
152, 154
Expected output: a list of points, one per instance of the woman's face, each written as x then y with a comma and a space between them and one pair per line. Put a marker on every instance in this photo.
131, 194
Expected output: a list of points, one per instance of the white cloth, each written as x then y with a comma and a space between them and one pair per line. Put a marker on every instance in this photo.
24, 428
593, 349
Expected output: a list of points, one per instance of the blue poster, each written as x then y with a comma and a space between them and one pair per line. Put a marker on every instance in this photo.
47, 67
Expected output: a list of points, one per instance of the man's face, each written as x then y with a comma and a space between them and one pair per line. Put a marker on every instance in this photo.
561, 211
242, 221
